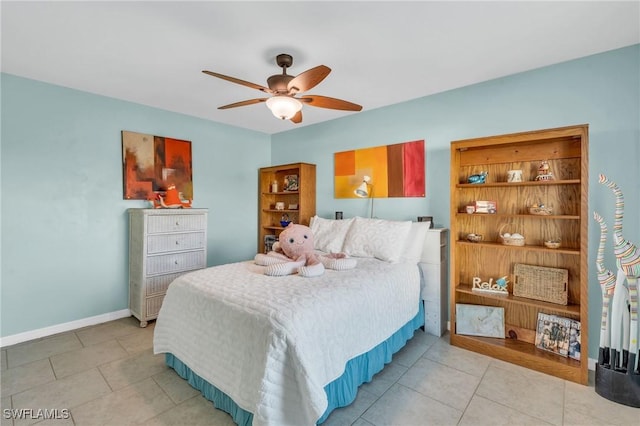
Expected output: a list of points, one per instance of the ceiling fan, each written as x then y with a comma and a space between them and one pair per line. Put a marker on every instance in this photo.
284, 88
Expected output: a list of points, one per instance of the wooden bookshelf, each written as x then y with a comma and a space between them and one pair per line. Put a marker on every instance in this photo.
566, 151
304, 198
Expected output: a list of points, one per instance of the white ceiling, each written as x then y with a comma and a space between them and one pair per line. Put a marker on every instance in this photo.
380, 53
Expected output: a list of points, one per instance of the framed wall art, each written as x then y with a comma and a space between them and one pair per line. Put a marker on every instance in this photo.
396, 170
152, 163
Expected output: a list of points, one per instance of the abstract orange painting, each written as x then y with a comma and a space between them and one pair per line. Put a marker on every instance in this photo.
396, 170
152, 163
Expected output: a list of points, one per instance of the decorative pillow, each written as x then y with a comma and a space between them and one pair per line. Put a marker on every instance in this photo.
412, 252
379, 238
329, 234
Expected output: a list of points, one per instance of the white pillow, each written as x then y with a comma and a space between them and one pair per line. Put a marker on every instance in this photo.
329, 234
412, 251
379, 238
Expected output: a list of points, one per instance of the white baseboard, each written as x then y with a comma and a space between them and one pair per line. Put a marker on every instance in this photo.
61, 328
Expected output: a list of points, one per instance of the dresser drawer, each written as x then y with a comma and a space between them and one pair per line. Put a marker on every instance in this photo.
167, 263
152, 306
160, 243
158, 284
176, 222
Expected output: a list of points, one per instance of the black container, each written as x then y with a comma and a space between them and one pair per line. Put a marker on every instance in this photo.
618, 386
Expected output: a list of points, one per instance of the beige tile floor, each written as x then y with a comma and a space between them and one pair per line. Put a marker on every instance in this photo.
107, 375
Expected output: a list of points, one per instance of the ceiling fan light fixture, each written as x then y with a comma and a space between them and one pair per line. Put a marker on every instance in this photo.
284, 107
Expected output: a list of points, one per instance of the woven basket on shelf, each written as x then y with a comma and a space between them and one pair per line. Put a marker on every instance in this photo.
509, 240
541, 283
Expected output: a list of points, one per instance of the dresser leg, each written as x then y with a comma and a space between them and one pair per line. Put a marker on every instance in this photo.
143, 324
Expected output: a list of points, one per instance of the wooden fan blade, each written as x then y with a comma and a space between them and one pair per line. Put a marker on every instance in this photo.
238, 81
308, 79
331, 103
297, 118
243, 103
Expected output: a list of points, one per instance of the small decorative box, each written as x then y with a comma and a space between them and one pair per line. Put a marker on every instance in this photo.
485, 206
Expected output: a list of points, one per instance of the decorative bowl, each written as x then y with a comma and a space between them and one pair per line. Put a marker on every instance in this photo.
285, 223
474, 238
540, 210
552, 244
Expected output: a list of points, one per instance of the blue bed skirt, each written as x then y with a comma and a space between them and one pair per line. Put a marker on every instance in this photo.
340, 393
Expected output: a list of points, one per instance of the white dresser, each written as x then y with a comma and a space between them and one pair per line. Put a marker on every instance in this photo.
163, 244
433, 267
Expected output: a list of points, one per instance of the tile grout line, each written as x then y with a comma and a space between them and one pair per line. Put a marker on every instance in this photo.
396, 382
475, 390
515, 409
53, 370
170, 399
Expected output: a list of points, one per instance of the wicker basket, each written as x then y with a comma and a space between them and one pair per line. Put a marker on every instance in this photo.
509, 240
541, 283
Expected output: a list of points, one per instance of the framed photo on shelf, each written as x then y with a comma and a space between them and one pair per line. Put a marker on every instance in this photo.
269, 240
480, 320
574, 340
291, 183
552, 334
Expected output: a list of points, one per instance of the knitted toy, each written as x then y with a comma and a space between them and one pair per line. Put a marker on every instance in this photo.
294, 252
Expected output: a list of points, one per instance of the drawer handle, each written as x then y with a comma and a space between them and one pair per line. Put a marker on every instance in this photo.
177, 242
176, 262
177, 223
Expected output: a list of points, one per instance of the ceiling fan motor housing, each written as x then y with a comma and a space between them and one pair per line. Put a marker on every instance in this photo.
279, 82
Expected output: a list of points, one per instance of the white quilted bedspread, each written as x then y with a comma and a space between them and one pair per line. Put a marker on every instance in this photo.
273, 343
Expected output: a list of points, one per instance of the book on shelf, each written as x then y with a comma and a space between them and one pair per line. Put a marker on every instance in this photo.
552, 334
574, 340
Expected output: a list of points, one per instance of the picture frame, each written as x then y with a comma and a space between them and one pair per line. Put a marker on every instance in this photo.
291, 183
480, 320
574, 340
269, 240
552, 334
152, 164
395, 170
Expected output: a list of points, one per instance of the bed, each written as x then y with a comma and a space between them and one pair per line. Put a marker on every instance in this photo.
289, 350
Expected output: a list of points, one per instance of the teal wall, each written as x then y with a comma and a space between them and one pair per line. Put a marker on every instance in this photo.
64, 243
601, 90
64, 222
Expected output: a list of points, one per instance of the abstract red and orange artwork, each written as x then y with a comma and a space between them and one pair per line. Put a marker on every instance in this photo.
152, 163
396, 170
